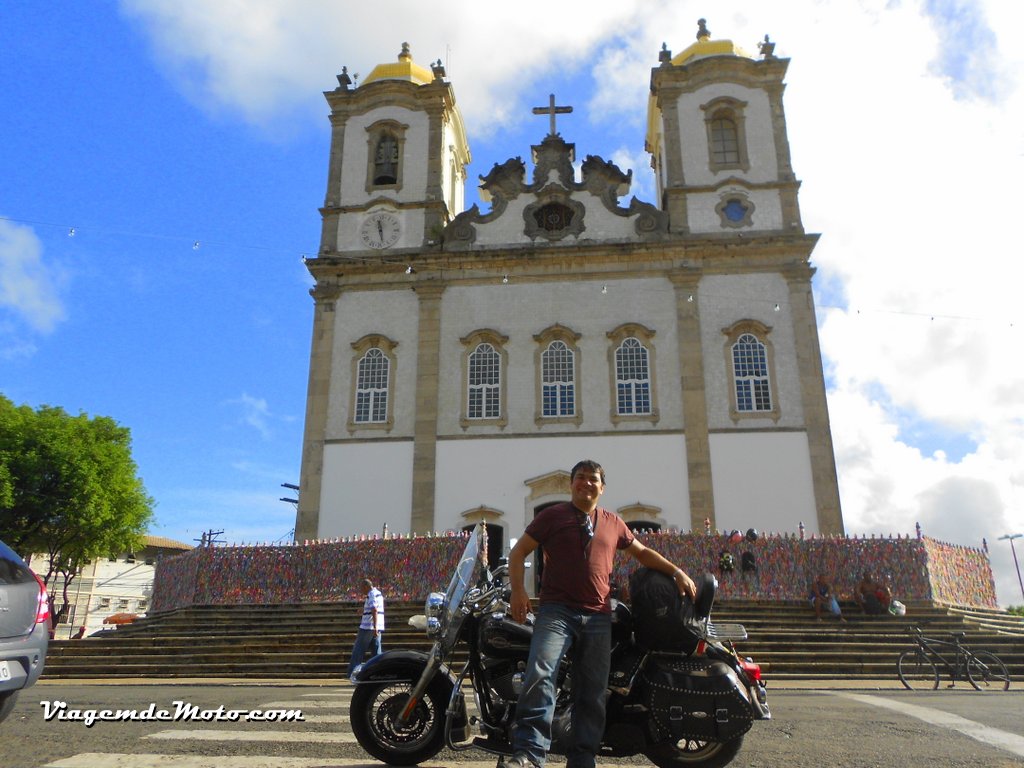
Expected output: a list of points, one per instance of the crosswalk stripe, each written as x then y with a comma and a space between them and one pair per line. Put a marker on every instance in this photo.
213, 735
121, 760
306, 704
124, 760
986, 734
343, 719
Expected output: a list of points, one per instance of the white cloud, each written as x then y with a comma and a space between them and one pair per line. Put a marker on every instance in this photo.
29, 286
256, 413
905, 128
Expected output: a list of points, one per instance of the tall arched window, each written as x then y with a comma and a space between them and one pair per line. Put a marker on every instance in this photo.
385, 160
385, 143
558, 360
725, 120
372, 388
725, 146
373, 383
484, 396
632, 378
750, 373
631, 372
750, 362
484, 363
558, 380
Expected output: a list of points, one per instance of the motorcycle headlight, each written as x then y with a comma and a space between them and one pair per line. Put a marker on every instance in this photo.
434, 610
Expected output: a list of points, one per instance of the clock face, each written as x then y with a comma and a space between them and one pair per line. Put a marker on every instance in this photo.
380, 230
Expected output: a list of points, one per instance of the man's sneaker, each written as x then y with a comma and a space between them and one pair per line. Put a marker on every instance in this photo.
520, 761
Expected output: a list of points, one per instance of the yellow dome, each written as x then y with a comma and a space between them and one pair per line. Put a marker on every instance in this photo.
404, 69
707, 47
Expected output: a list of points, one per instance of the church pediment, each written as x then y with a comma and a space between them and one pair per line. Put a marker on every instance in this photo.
555, 207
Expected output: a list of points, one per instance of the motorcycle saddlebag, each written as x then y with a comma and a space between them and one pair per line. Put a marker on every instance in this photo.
695, 699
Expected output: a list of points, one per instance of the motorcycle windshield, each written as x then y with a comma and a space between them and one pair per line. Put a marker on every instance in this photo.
467, 574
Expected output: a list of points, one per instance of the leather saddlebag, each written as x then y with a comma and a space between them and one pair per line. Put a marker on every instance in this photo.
695, 699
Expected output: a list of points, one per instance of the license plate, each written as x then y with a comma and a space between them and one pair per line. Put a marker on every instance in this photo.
5, 671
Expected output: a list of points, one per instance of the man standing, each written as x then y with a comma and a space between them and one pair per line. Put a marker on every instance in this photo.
579, 540
371, 626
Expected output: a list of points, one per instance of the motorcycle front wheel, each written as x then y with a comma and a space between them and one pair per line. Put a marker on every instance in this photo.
373, 715
690, 752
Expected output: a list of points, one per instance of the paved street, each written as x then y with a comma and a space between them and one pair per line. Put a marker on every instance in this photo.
246, 725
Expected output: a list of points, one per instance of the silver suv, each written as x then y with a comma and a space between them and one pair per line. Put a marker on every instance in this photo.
24, 627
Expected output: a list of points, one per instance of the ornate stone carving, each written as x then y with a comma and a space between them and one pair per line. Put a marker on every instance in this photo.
556, 213
505, 181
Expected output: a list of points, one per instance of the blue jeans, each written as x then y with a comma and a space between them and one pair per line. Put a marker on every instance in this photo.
557, 628
364, 639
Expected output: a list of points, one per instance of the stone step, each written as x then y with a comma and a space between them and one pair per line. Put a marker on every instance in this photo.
315, 640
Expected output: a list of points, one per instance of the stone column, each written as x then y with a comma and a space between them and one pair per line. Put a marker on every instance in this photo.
695, 409
812, 392
675, 201
307, 518
424, 453
333, 197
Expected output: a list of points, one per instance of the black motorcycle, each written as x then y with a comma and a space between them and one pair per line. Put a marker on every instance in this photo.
677, 709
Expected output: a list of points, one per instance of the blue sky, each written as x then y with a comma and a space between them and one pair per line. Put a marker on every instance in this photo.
185, 145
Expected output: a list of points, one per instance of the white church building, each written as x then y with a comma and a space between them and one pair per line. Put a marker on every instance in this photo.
463, 360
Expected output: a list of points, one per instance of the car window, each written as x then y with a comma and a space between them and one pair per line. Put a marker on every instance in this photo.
12, 569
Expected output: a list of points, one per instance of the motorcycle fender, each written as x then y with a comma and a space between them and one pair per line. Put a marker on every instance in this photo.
399, 666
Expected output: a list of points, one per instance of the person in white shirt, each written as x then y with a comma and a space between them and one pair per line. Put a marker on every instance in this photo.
371, 627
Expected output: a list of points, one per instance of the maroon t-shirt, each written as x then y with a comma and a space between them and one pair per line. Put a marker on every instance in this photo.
572, 575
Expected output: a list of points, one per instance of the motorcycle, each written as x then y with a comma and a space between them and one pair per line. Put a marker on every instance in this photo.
677, 709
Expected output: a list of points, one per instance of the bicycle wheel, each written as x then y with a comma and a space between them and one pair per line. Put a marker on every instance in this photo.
986, 672
917, 671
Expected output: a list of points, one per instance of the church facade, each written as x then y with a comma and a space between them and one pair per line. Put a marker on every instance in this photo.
463, 360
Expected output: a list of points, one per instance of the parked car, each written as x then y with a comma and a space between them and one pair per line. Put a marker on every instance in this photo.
24, 627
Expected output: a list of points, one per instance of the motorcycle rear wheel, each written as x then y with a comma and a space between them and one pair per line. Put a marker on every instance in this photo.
373, 713
690, 752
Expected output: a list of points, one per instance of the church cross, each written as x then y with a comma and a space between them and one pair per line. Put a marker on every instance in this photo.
551, 110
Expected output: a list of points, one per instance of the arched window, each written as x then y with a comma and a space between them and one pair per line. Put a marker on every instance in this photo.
373, 383
385, 143
750, 373
484, 396
372, 388
484, 365
631, 371
725, 121
558, 380
725, 146
385, 160
557, 363
632, 379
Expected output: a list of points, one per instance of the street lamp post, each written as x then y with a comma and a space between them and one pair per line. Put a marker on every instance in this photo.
1010, 537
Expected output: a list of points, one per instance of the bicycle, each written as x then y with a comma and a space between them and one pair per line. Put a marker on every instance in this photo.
917, 666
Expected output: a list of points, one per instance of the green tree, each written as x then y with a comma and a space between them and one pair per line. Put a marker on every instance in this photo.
69, 487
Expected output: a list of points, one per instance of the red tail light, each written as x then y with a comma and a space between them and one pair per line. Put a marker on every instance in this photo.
43, 611
753, 670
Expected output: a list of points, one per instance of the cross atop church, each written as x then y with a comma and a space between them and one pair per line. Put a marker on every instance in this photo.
551, 110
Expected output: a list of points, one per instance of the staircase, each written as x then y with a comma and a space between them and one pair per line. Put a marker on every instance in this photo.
292, 641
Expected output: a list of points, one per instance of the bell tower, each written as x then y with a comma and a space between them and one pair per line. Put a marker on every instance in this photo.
397, 162
717, 136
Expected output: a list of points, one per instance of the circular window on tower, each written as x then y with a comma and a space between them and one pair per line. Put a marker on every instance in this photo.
735, 211
554, 219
